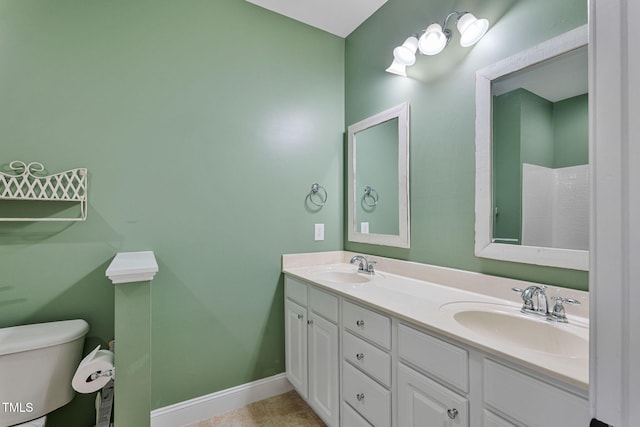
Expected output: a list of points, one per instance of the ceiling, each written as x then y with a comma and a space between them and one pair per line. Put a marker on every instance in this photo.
339, 17
559, 78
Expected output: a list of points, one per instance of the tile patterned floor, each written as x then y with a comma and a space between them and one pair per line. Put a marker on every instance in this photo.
285, 410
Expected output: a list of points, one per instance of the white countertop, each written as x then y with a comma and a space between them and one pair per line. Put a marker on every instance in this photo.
419, 302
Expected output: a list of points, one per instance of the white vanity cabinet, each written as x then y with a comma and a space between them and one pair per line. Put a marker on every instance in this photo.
358, 365
311, 347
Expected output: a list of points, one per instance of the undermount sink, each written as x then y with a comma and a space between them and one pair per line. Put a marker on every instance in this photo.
507, 323
343, 277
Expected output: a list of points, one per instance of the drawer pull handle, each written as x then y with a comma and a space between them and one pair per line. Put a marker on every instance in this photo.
300, 316
309, 322
360, 356
360, 397
360, 323
453, 413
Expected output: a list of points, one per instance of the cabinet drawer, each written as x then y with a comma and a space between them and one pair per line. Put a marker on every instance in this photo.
324, 304
295, 290
366, 396
367, 357
367, 324
440, 359
351, 418
511, 392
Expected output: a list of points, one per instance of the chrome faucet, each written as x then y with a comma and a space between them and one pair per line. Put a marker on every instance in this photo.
365, 265
558, 312
535, 301
535, 298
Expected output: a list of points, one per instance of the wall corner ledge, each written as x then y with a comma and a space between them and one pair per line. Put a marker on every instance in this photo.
129, 267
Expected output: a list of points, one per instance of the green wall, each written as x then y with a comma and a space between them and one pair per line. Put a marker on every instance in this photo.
506, 157
377, 167
571, 132
523, 133
203, 125
536, 131
441, 91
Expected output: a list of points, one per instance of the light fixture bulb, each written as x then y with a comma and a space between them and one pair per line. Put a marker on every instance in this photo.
433, 40
471, 29
406, 54
397, 68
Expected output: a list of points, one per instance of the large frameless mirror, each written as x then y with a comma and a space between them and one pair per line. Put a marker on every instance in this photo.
532, 155
378, 159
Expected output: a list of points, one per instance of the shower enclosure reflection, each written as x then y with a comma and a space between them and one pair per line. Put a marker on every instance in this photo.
541, 154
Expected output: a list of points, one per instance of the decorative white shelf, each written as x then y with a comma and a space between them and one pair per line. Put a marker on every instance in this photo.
128, 267
26, 182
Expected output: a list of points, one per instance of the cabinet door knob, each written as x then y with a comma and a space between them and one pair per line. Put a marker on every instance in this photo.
300, 316
309, 322
360, 397
360, 322
360, 356
453, 413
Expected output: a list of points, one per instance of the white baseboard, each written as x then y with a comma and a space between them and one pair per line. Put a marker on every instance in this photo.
203, 407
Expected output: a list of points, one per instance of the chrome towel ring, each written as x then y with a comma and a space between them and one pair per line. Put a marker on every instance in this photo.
317, 190
370, 197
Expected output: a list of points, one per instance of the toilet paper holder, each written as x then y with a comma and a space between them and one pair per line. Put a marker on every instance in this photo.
94, 372
97, 374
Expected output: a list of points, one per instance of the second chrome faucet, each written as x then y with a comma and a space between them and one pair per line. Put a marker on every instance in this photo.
535, 301
365, 265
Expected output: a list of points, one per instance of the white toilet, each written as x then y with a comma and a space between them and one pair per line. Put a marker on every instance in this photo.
37, 363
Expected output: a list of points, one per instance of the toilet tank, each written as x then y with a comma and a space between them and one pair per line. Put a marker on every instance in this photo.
37, 363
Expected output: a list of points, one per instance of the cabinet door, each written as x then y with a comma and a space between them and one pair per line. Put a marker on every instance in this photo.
423, 402
492, 420
323, 369
295, 332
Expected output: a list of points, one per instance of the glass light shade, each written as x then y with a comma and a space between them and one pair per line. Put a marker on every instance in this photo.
433, 40
397, 68
406, 54
471, 29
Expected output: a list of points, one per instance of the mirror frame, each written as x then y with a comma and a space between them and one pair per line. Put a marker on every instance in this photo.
484, 245
402, 240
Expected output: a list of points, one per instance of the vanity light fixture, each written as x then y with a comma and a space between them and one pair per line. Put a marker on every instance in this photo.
406, 54
435, 38
397, 68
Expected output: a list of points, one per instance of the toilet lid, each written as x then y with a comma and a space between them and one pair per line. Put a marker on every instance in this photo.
16, 339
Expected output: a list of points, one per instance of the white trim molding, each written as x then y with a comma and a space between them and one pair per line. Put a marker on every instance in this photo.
128, 267
614, 280
203, 407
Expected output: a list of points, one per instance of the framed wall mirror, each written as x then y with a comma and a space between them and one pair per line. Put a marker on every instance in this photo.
378, 179
532, 155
